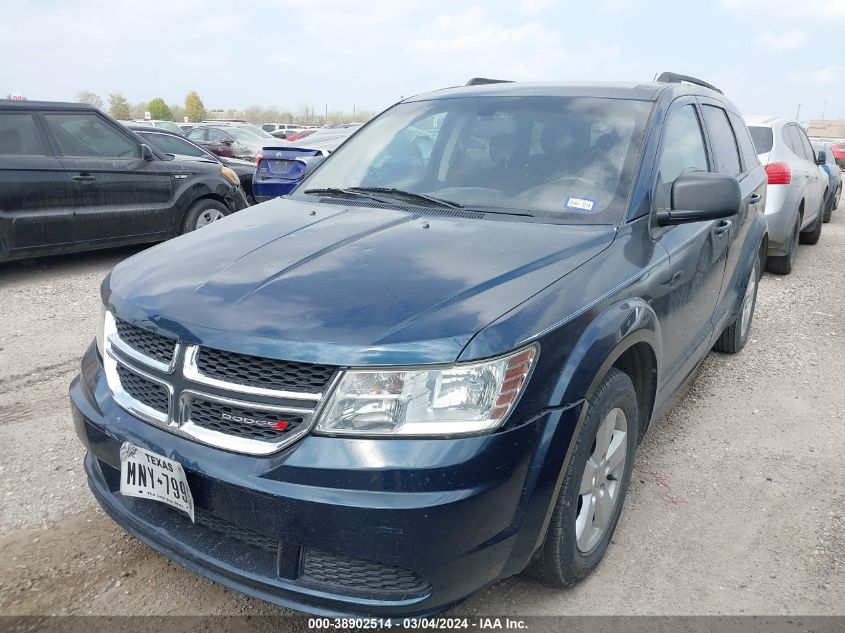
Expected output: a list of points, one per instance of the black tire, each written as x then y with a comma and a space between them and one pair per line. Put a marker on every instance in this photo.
192, 217
811, 236
782, 265
561, 562
735, 336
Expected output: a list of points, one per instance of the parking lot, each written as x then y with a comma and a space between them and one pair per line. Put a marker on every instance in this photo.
736, 504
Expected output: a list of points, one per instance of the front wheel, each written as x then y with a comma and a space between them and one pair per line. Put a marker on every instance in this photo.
594, 485
202, 213
735, 336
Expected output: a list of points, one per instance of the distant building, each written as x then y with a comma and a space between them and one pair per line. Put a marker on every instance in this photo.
826, 128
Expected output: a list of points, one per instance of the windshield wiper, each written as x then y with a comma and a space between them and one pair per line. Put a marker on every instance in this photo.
408, 195
349, 193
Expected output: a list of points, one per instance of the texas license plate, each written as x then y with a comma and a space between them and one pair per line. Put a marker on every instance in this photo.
148, 475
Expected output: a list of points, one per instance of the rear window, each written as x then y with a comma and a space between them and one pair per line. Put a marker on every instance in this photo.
762, 137
19, 136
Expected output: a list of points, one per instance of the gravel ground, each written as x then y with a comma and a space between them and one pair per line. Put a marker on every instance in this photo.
736, 506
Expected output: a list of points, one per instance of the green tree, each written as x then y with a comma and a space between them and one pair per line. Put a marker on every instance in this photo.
194, 107
91, 98
119, 106
158, 110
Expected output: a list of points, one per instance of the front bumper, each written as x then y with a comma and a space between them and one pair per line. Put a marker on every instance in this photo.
417, 525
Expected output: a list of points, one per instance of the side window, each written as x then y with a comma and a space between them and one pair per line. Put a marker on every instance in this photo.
216, 136
793, 141
174, 145
725, 151
682, 150
197, 134
805, 142
746, 144
86, 134
19, 136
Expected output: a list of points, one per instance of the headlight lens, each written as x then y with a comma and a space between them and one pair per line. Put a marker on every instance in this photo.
458, 400
231, 175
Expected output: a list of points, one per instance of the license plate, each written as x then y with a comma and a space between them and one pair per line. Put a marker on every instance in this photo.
148, 475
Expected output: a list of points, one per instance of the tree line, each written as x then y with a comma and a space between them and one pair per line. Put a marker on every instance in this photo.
194, 110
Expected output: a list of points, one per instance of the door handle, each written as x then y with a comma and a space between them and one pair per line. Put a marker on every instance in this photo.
723, 227
84, 178
754, 198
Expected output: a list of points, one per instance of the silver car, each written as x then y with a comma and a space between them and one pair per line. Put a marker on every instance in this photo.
797, 189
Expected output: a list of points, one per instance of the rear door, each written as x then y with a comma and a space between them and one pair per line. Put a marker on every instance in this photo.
818, 178
802, 171
116, 193
36, 204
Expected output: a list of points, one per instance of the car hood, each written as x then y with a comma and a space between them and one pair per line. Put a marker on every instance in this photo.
345, 285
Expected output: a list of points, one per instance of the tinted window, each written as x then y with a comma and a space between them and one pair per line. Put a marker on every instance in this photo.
197, 134
268, 127
19, 136
793, 140
762, 137
746, 145
682, 149
216, 136
173, 145
726, 153
86, 134
567, 157
809, 154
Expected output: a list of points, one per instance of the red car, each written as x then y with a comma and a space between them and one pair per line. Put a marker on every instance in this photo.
838, 150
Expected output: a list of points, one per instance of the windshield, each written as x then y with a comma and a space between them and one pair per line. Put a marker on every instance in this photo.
244, 135
561, 157
762, 137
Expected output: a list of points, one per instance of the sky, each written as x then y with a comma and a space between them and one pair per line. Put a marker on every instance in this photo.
766, 55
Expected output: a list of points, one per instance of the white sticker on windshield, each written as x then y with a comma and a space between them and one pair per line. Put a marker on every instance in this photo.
580, 204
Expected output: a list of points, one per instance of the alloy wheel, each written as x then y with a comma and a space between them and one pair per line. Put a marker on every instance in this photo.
599, 492
209, 216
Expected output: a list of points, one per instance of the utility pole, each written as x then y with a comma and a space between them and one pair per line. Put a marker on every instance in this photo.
798, 114
824, 109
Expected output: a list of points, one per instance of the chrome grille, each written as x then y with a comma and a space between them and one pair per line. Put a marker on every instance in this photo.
265, 373
144, 390
253, 423
145, 342
248, 405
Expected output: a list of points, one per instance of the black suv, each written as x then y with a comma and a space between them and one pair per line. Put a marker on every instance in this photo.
72, 179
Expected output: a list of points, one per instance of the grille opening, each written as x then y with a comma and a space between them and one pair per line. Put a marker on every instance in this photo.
147, 343
359, 577
256, 424
143, 390
267, 373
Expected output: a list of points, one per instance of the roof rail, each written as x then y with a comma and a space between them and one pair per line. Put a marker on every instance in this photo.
675, 78
480, 81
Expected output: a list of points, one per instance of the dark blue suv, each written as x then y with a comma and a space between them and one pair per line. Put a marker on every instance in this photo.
429, 367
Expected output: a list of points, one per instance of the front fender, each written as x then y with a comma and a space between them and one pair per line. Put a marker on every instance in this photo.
617, 328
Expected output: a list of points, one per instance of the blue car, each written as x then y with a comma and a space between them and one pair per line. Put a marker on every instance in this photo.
429, 367
834, 174
281, 167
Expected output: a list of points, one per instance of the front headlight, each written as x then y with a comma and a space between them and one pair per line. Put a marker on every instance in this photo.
462, 399
231, 175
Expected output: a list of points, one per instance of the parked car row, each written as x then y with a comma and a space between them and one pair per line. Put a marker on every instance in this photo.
72, 179
800, 191
450, 337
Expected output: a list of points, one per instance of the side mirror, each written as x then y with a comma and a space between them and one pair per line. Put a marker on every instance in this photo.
699, 195
227, 141
821, 159
147, 153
